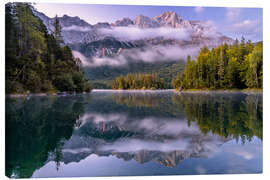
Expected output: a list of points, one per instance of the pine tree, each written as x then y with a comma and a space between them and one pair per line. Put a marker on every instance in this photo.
58, 31
221, 70
254, 71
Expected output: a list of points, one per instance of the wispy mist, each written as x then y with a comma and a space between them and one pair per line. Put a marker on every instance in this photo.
147, 55
77, 28
135, 33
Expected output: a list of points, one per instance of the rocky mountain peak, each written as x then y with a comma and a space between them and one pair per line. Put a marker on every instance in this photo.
102, 25
169, 14
123, 22
67, 21
169, 18
145, 22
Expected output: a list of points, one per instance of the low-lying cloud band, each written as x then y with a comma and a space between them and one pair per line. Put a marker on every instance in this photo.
148, 55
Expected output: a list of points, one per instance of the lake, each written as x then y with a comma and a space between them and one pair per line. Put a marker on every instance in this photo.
127, 133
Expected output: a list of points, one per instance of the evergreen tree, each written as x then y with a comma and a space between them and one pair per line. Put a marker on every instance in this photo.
226, 66
254, 70
57, 31
139, 81
221, 69
35, 60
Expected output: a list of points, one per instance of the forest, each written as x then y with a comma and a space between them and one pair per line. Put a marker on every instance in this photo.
139, 81
102, 77
236, 66
38, 61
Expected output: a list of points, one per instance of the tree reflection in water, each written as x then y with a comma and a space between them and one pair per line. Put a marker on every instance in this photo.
236, 115
36, 128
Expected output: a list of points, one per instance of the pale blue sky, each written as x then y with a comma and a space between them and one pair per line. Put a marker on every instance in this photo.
233, 22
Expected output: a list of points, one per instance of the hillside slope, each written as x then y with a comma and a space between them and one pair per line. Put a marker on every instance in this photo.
35, 60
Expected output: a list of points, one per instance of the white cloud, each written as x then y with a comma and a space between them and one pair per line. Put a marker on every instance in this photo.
108, 61
136, 145
210, 29
201, 170
135, 33
77, 28
248, 153
246, 25
148, 55
250, 29
198, 9
233, 14
83, 59
151, 125
245, 154
100, 118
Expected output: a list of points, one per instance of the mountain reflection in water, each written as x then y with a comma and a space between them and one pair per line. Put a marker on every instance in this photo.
163, 128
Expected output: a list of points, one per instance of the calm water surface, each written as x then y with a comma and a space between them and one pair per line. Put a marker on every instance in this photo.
108, 133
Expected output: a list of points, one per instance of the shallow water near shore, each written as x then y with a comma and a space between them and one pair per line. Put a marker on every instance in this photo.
122, 133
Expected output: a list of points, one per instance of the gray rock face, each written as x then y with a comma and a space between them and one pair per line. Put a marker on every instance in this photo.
123, 22
145, 22
170, 19
67, 21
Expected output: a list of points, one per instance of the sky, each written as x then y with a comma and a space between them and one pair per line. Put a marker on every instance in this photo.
233, 22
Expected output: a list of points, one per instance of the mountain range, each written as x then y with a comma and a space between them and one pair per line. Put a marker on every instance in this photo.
108, 50
77, 31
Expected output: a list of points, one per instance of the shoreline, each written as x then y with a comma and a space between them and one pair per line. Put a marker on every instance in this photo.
195, 91
44, 94
131, 90
255, 91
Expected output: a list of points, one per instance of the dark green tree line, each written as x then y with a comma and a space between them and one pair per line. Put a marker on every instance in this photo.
139, 81
239, 65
